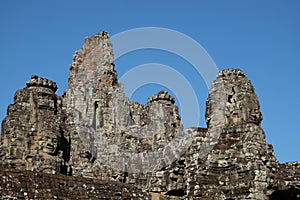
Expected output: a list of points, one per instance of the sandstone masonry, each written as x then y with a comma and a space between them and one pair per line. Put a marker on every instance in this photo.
73, 135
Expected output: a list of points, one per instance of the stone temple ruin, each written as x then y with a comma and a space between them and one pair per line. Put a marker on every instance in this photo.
55, 136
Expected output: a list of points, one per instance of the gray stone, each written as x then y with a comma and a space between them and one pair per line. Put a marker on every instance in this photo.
94, 130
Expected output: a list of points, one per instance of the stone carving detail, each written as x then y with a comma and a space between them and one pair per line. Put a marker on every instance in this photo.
229, 159
161, 96
36, 81
241, 102
32, 136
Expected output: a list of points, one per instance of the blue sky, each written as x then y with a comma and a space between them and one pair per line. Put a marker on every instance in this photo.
260, 37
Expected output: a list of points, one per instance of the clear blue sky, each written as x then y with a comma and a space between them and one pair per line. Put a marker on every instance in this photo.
260, 37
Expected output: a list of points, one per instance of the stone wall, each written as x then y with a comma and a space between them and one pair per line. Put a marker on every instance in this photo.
17, 184
94, 130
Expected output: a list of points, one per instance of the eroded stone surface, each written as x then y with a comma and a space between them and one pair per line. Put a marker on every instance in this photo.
17, 184
94, 130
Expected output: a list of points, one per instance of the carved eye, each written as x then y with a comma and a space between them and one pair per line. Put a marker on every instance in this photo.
54, 140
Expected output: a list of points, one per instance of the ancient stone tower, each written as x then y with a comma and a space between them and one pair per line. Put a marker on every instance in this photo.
94, 130
33, 137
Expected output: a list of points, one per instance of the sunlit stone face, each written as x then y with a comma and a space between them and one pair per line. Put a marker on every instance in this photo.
233, 100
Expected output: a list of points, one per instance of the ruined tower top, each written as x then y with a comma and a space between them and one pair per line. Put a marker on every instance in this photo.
36, 81
235, 95
162, 96
94, 61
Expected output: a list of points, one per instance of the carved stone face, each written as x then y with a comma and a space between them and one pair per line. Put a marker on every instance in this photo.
49, 143
234, 99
